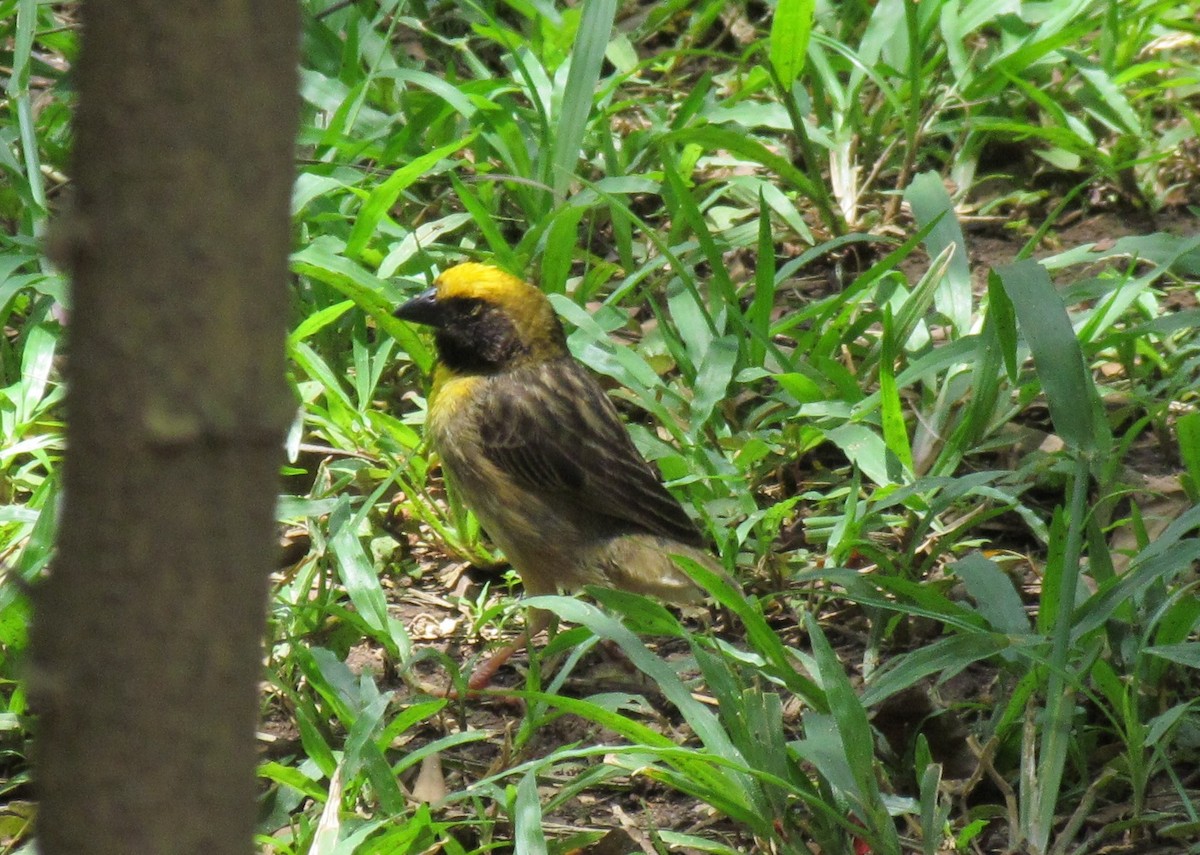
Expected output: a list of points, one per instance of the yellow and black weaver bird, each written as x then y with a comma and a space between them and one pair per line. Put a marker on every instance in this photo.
537, 450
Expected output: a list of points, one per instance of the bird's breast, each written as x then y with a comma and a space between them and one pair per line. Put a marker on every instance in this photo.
452, 397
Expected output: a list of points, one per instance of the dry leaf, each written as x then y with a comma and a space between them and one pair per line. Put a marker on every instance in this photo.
430, 786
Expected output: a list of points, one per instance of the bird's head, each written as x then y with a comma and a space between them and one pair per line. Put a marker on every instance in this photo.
486, 320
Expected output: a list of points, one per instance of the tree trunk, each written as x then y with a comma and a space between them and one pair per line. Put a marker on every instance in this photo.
147, 634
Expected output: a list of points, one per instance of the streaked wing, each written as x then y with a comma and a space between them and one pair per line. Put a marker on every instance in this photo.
556, 433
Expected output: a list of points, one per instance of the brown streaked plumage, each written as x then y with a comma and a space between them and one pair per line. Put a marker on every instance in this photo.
537, 450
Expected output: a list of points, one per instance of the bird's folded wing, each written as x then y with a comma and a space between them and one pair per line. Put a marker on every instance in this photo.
556, 434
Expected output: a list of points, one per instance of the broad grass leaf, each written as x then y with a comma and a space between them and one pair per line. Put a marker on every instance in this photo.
681, 842
932, 206
1143, 572
854, 732
762, 712
995, 597
791, 27
824, 747
15, 614
445, 743
318, 320
1187, 430
412, 244
37, 360
362, 751
718, 139
21, 95
722, 780
312, 738
315, 367
1016, 56
912, 310
1107, 98
290, 776
454, 97
944, 657
646, 616
561, 243
486, 221
687, 211
690, 322
1070, 390
891, 412
355, 568
1161, 724
1180, 619
410, 715
865, 449
713, 378
587, 57
893, 593
933, 814
332, 680
529, 836
758, 313
39, 547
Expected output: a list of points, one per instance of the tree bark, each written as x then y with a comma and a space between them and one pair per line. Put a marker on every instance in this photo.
147, 633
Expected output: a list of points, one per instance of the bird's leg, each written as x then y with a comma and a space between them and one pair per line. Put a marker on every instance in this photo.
535, 621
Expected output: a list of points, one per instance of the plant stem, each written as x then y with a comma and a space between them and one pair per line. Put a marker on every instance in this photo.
1060, 695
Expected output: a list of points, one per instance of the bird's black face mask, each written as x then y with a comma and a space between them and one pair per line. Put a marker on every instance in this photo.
472, 335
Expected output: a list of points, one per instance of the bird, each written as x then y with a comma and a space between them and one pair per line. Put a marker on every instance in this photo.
531, 443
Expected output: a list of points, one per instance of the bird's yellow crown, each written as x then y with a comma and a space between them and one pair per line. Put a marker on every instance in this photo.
526, 307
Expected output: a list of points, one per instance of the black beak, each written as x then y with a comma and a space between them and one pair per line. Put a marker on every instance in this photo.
422, 309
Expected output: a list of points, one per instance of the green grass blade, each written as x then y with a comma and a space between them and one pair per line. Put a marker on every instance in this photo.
713, 376
488, 227
947, 655
791, 27
758, 314
717, 139
18, 90
1057, 356
687, 211
530, 837
857, 740
561, 246
384, 196
1187, 432
932, 206
891, 414
698, 716
377, 297
1060, 694
762, 638
587, 56
994, 594
359, 577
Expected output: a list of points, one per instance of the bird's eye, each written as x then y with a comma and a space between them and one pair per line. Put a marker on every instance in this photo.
474, 310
